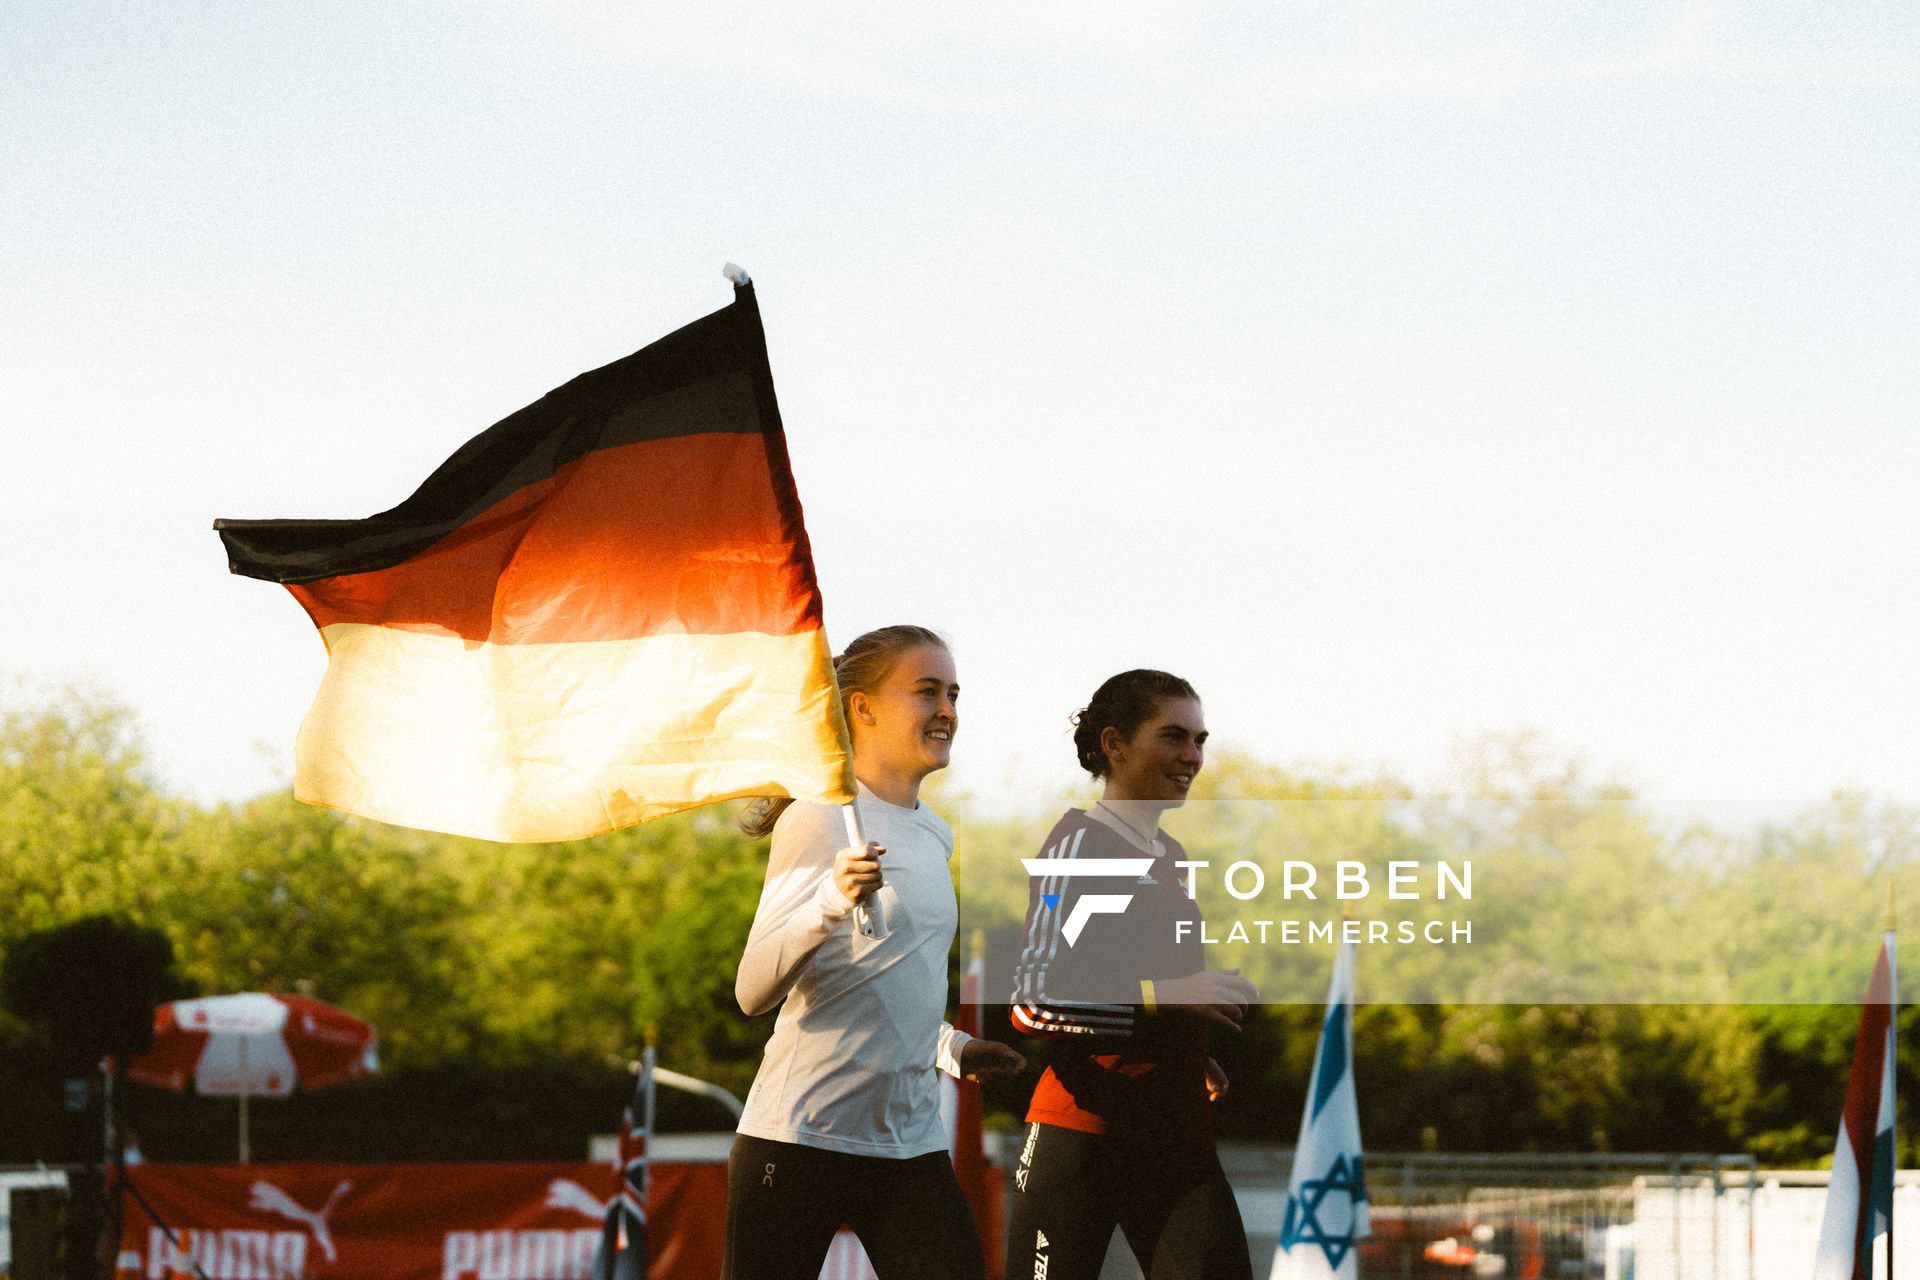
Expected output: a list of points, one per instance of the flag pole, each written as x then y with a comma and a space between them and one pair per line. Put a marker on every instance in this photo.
1891, 925
867, 914
648, 1060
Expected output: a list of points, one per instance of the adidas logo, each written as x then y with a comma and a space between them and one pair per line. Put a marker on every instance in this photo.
1039, 1239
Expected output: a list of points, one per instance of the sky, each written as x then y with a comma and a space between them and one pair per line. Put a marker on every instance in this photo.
1398, 373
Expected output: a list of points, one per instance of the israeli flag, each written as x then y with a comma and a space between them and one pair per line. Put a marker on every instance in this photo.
1327, 1194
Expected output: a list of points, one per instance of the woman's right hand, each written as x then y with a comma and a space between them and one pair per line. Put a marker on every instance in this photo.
1217, 995
856, 872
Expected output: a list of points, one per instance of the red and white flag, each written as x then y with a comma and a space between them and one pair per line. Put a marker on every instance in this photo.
1860, 1193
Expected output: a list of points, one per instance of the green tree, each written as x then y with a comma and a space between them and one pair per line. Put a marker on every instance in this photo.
292, 899
83, 828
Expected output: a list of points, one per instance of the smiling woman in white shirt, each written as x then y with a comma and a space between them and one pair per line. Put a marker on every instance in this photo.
843, 1122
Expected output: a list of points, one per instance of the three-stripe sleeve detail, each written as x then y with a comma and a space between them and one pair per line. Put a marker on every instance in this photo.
1035, 1010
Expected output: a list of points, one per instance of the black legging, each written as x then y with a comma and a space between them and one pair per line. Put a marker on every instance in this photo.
784, 1203
1173, 1204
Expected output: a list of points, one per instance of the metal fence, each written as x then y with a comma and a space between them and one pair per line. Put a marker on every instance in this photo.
1536, 1217
1560, 1217
1543, 1217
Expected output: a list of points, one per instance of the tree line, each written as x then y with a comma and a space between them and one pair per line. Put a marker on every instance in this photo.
511, 984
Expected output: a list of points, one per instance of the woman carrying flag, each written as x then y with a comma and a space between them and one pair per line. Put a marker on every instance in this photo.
843, 1122
1118, 1131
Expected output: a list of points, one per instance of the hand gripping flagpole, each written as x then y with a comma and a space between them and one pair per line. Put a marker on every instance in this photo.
869, 918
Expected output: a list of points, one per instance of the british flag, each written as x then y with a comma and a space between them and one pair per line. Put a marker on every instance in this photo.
622, 1254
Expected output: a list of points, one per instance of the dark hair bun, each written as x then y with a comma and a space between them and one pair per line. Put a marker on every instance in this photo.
1123, 703
1086, 743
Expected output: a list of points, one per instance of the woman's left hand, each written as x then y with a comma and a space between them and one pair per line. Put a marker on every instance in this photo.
982, 1059
1216, 1081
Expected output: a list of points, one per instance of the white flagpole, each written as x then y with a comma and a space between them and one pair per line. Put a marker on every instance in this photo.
868, 917
647, 1060
246, 1147
1889, 1071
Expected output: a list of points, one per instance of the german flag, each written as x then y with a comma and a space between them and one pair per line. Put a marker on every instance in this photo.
600, 610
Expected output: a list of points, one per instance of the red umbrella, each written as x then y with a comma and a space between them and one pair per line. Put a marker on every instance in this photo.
253, 1045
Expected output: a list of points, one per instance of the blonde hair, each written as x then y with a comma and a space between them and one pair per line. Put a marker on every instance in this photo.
868, 661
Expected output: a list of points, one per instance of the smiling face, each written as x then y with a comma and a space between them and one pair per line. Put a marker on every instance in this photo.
904, 727
1159, 760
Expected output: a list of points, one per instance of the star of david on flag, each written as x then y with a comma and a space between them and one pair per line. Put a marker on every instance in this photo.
1327, 1193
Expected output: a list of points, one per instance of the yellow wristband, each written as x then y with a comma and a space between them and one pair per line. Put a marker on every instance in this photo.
1146, 995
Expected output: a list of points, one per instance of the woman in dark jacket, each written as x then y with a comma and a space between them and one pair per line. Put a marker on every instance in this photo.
1118, 1132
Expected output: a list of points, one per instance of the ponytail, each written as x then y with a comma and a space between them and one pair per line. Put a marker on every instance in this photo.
861, 669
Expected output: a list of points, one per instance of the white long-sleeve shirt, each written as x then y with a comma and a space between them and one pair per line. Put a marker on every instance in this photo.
851, 1063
